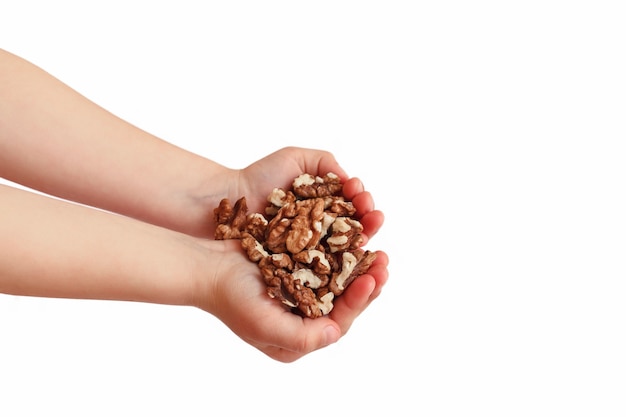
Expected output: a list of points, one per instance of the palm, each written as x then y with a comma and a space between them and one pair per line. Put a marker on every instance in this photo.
241, 302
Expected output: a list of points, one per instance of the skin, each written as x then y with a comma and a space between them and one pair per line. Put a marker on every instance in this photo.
127, 239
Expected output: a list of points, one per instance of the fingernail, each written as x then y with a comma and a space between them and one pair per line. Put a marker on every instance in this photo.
331, 335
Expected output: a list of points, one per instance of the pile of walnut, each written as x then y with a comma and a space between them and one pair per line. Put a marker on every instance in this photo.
307, 244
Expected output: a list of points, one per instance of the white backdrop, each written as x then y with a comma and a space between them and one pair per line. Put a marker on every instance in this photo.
488, 132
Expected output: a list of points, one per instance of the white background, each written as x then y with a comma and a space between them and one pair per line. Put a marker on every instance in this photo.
488, 132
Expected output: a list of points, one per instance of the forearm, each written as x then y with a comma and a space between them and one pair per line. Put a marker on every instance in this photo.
53, 248
55, 140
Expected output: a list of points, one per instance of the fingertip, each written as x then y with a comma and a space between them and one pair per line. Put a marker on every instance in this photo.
363, 203
372, 222
352, 187
381, 258
381, 276
359, 292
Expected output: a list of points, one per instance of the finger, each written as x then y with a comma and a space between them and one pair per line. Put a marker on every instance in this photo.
316, 161
371, 222
327, 164
371, 219
353, 301
361, 292
378, 270
363, 203
352, 187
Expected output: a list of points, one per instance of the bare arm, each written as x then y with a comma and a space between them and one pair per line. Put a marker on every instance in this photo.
55, 140
52, 248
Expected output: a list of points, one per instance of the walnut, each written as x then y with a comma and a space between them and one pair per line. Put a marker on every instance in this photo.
314, 258
325, 302
307, 185
277, 232
339, 206
254, 249
306, 301
306, 227
256, 225
279, 197
345, 235
353, 265
307, 278
296, 226
230, 220
307, 245
295, 292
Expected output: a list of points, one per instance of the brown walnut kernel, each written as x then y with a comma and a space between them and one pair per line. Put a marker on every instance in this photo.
307, 244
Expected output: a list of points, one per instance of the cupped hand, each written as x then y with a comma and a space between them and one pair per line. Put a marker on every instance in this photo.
237, 296
281, 167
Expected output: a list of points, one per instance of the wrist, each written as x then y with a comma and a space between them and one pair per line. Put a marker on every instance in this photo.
210, 261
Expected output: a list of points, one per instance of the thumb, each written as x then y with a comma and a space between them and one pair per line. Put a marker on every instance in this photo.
311, 335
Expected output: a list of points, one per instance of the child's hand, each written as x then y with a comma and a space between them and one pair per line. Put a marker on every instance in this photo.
281, 167
236, 294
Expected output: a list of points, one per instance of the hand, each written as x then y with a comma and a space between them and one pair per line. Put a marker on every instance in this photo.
258, 179
237, 296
